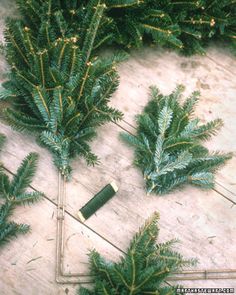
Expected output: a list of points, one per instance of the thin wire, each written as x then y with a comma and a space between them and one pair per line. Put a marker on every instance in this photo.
60, 227
61, 276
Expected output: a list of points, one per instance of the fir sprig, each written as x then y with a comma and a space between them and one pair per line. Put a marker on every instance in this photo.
168, 144
143, 269
12, 194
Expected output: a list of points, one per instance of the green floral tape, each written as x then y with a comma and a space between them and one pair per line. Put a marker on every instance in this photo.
97, 201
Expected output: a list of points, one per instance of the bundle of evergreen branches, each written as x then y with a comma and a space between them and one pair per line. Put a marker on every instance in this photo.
144, 268
12, 194
185, 25
168, 145
59, 88
53, 19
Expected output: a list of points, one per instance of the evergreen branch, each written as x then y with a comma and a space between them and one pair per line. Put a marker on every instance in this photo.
24, 174
92, 31
204, 132
122, 3
27, 198
13, 193
186, 25
168, 144
164, 120
10, 230
17, 47
132, 274
22, 122
41, 103
4, 186
66, 89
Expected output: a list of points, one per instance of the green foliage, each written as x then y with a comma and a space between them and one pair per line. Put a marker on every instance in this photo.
143, 269
184, 25
12, 193
59, 88
64, 19
168, 145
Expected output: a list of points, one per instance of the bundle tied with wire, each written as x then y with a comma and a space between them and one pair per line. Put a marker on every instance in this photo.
59, 88
187, 26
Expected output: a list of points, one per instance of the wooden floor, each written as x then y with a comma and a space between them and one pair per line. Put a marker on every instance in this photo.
204, 221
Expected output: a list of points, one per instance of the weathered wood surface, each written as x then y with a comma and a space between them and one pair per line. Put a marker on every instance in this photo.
204, 221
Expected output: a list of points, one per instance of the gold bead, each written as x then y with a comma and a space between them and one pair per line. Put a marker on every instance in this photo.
212, 23
74, 39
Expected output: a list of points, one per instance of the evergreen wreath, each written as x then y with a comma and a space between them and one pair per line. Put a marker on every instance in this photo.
184, 25
60, 90
143, 269
168, 144
12, 194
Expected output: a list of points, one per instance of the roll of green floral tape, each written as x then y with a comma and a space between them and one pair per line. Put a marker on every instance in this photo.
97, 201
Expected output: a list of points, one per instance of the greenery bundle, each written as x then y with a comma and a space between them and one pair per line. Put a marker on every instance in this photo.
143, 269
53, 19
12, 194
168, 145
185, 25
59, 88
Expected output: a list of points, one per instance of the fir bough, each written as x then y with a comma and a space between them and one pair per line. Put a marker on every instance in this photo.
60, 90
13, 193
185, 25
143, 269
53, 19
168, 144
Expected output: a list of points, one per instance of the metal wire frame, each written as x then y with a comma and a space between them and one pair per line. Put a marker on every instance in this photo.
61, 276
75, 278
